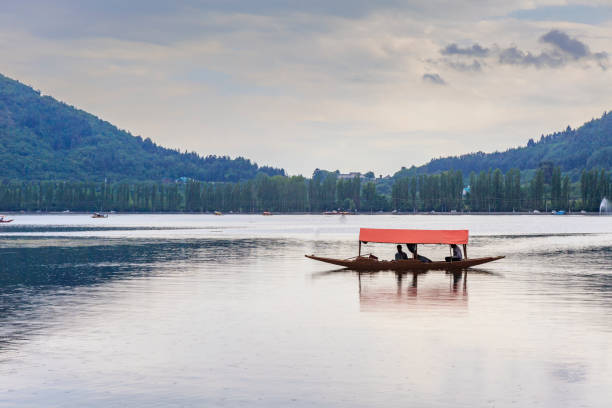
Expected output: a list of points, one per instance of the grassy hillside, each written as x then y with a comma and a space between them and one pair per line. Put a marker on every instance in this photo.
588, 147
44, 139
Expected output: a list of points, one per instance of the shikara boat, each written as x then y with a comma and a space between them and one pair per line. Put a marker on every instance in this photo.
99, 215
4, 220
401, 236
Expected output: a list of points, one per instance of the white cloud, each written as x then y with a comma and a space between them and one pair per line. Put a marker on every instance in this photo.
305, 88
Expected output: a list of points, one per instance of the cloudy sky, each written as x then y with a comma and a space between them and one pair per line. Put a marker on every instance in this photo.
353, 85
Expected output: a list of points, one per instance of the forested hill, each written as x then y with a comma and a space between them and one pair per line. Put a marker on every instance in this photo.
588, 147
44, 139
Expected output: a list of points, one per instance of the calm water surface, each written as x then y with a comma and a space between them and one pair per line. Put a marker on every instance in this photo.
198, 310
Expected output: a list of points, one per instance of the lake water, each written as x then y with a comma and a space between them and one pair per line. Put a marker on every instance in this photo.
198, 310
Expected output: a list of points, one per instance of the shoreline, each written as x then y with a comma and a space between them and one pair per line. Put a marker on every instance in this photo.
17, 213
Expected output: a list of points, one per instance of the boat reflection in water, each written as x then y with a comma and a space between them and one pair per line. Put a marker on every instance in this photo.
382, 291
412, 289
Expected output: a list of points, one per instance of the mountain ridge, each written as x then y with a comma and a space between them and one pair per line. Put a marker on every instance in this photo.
42, 138
573, 150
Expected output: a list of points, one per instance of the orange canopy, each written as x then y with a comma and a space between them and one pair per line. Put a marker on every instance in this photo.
405, 236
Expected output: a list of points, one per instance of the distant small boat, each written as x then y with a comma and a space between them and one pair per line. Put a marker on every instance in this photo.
330, 212
99, 215
266, 213
218, 213
4, 220
561, 212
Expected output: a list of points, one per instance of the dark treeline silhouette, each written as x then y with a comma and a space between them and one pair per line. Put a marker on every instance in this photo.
264, 193
487, 191
494, 191
439, 192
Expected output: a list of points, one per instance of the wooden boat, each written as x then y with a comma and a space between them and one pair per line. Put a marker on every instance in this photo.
398, 236
364, 263
218, 213
99, 215
3, 220
266, 213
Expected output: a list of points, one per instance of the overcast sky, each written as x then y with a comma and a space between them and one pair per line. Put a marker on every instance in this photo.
353, 85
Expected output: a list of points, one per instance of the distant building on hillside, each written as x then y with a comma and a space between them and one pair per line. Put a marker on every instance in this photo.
353, 174
349, 176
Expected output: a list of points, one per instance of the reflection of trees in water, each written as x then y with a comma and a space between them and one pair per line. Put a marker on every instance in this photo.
30, 277
14, 228
595, 255
52, 266
559, 263
586, 271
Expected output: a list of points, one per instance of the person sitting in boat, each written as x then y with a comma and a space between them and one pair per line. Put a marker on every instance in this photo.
400, 255
413, 250
457, 256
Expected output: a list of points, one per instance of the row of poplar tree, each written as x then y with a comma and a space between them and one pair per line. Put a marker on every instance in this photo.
446, 191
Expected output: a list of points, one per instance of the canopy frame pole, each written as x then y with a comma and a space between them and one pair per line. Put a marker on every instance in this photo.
359, 249
465, 251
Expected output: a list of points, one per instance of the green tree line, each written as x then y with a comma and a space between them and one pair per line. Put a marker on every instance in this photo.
487, 191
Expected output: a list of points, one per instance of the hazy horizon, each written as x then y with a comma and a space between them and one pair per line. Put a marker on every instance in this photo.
353, 86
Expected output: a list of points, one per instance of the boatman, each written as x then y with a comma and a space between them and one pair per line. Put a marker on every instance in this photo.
400, 255
457, 256
413, 250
